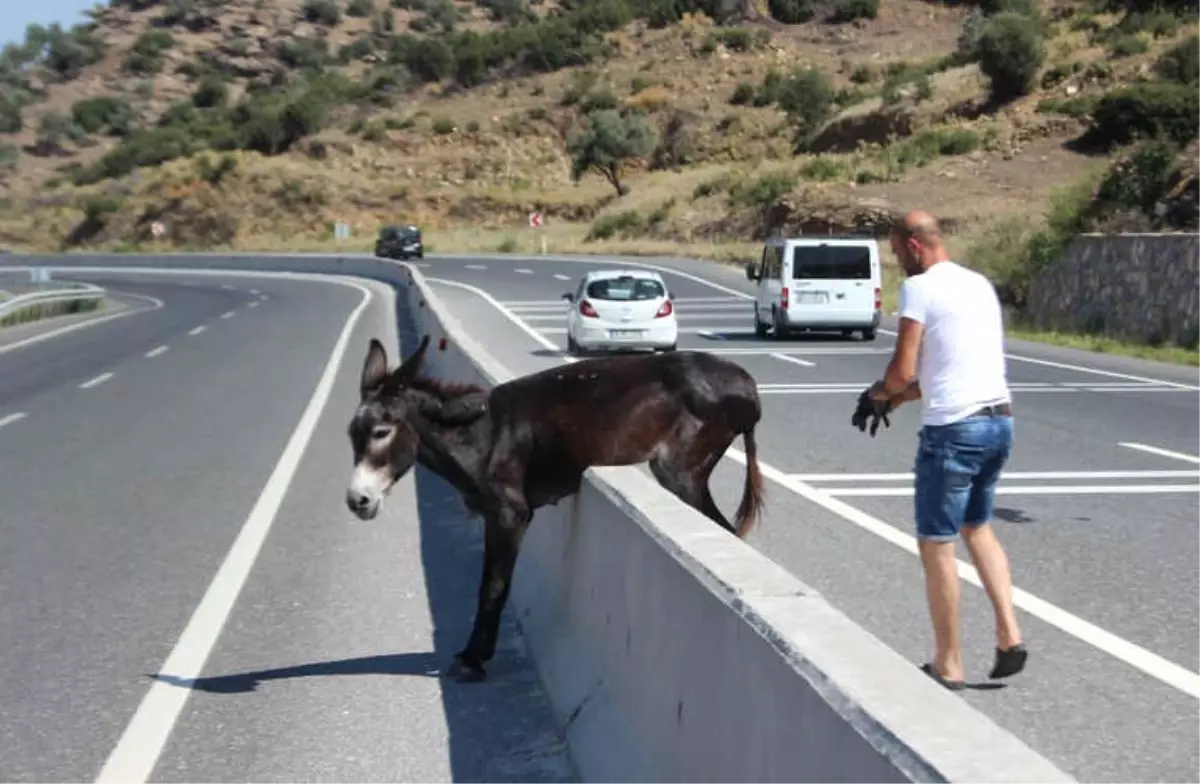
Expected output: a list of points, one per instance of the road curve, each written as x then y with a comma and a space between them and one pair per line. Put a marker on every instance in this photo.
1102, 534
135, 456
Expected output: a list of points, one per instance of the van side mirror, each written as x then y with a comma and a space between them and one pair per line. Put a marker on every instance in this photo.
750, 274
569, 297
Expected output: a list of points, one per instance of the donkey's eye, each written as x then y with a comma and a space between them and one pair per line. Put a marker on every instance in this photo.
381, 433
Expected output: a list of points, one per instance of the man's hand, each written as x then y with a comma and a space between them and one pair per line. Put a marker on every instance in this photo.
873, 405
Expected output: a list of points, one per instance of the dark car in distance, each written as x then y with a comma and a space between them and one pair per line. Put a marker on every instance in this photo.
399, 242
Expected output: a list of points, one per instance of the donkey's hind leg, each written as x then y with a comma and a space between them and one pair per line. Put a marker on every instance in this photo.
684, 462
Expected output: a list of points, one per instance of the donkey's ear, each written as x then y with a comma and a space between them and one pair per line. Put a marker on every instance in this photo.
375, 369
411, 368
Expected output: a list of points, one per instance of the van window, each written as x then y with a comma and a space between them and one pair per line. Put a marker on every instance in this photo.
831, 262
625, 289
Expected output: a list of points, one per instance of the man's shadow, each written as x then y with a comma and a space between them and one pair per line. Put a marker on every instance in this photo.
422, 664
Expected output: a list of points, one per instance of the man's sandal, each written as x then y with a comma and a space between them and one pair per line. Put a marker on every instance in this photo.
1009, 661
927, 668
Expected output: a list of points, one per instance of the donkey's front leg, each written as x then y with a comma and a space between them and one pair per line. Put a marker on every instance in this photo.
503, 533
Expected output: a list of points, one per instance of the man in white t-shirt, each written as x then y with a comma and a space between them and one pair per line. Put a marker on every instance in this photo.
950, 355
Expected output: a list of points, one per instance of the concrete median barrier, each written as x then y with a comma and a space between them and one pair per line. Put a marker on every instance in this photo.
675, 652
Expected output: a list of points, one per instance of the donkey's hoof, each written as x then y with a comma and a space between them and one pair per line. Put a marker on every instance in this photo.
464, 672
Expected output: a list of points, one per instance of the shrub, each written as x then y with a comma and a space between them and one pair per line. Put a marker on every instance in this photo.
1181, 63
791, 11
9, 155
145, 56
1139, 180
863, 74
10, 113
360, 8
211, 92
67, 54
94, 115
764, 191
627, 224
1126, 45
142, 148
1010, 51
1162, 110
324, 12
807, 96
849, 10
443, 126
743, 94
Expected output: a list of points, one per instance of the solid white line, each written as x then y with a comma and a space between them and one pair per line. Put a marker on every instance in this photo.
1003, 489
154, 352
157, 303
476, 266
97, 381
1154, 450
794, 360
9, 419
906, 477
197, 330
227, 314
143, 740
1134, 655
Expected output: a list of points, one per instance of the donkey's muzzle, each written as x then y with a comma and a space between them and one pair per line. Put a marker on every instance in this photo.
363, 505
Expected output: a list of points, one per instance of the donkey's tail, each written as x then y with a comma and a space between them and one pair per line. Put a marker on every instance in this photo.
752, 493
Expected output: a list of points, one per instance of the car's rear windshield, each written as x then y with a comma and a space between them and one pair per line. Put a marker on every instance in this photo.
826, 262
626, 289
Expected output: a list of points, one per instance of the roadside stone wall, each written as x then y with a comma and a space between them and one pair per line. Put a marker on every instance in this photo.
1138, 287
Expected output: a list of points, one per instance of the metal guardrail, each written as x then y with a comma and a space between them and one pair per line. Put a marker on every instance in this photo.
81, 292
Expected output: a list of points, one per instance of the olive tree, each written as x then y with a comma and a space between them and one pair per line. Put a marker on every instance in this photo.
607, 142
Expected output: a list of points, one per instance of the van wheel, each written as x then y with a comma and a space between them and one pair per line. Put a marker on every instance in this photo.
868, 334
781, 331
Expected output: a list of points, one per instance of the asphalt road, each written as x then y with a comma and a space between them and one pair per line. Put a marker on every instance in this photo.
1098, 509
139, 458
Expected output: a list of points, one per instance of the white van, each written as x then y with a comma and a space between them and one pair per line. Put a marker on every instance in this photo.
817, 283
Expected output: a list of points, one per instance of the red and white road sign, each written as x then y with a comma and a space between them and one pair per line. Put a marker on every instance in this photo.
157, 228
535, 220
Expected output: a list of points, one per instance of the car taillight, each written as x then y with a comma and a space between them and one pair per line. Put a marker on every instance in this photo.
783, 297
666, 310
586, 309
878, 299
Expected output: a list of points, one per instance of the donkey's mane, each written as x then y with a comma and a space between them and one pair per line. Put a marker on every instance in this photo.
446, 390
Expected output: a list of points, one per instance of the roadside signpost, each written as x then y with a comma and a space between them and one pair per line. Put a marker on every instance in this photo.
341, 231
157, 229
535, 223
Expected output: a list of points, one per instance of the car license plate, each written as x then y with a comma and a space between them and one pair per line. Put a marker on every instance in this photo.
812, 297
624, 333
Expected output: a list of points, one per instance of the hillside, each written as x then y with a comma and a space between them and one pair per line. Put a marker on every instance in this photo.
254, 124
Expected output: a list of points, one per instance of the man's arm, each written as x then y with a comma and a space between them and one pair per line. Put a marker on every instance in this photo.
899, 383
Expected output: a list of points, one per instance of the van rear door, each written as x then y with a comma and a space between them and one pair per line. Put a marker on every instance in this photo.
834, 277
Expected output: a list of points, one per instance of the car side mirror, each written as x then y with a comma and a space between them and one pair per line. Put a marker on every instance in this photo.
569, 297
671, 295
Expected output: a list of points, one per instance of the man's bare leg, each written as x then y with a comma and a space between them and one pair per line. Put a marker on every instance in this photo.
941, 591
992, 564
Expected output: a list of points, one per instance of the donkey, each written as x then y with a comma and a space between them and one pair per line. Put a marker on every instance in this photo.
527, 442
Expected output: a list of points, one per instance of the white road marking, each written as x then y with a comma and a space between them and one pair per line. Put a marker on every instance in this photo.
227, 287
524, 271
707, 330
794, 360
154, 352
1003, 489
143, 740
558, 276
476, 266
1134, 655
97, 381
1154, 450
254, 291
908, 477
253, 304
154, 301
197, 330
10, 418
710, 334
227, 314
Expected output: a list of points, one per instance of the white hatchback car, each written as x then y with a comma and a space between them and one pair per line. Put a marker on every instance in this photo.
621, 309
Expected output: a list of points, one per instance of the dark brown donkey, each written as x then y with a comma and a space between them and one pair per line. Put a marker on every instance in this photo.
527, 442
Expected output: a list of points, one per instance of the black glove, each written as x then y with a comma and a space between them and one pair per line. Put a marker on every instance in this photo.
868, 408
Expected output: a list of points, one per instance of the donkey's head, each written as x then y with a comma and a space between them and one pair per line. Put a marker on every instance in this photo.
382, 432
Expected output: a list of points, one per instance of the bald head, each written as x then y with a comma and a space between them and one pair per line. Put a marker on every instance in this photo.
917, 241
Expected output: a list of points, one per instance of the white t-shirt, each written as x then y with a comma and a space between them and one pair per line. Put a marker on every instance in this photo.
961, 365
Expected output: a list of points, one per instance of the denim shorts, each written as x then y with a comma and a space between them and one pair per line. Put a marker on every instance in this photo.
956, 468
